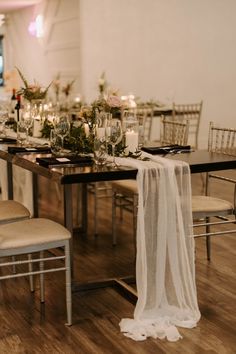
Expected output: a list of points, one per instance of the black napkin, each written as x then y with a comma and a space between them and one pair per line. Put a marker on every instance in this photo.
6, 140
156, 150
64, 160
30, 149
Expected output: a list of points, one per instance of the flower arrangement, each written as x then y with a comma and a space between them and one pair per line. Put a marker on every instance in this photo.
111, 104
32, 92
67, 88
56, 86
102, 84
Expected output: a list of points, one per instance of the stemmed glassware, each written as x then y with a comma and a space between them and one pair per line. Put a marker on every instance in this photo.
114, 136
61, 124
27, 122
4, 115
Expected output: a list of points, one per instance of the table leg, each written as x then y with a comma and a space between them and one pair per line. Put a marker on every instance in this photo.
35, 194
84, 208
10, 180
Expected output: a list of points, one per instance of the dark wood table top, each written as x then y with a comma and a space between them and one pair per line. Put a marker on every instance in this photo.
199, 161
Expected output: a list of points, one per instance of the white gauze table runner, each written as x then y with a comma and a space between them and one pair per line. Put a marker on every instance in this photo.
165, 271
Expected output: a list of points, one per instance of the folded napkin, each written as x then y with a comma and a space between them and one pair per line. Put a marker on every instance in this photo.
49, 161
6, 140
156, 150
31, 149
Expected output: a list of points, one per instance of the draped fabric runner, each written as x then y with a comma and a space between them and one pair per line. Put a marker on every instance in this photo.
165, 271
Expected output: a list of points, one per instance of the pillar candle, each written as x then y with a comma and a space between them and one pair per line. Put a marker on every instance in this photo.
37, 128
131, 141
86, 129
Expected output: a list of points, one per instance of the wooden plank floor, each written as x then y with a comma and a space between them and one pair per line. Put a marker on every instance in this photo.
28, 327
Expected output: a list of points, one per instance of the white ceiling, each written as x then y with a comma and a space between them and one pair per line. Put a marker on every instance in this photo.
11, 5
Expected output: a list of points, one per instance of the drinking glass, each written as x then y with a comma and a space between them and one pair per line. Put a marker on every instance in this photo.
62, 126
55, 143
4, 114
114, 136
100, 146
21, 133
27, 121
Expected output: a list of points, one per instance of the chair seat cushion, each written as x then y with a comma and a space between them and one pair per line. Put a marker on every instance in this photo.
207, 204
127, 186
31, 232
11, 210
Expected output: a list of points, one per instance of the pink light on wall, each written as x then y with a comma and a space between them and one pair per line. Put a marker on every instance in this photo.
35, 27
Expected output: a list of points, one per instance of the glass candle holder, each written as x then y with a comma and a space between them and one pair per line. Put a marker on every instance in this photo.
131, 133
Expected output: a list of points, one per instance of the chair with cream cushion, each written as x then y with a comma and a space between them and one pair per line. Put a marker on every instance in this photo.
125, 192
204, 207
34, 236
220, 140
11, 211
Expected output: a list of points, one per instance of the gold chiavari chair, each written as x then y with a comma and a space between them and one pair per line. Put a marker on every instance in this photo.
191, 112
35, 236
209, 208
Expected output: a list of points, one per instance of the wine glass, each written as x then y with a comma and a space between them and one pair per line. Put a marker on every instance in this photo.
27, 122
61, 126
4, 115
114, 135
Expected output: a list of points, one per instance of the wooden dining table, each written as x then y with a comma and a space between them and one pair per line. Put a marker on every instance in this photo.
69, 174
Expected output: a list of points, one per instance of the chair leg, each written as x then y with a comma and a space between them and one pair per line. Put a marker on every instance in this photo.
114, 218
95, 209
68, 284
41, 279
208, 241
31, 278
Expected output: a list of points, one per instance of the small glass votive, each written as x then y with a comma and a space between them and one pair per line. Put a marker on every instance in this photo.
21, 133
55, 143
100, 146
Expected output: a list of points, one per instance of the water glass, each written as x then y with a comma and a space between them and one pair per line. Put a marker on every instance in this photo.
21, 133
100, 146
3, 119
55, 143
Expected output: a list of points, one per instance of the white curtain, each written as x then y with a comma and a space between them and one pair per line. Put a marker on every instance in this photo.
165, 272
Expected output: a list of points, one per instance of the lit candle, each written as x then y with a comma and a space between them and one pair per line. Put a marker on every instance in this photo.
100, 133
37, 128
86, 129
131, 141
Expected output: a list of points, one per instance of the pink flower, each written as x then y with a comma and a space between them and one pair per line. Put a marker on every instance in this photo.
114, 101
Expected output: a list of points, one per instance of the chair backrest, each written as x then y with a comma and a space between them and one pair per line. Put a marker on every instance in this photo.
192, 112
145, 118
174, 132
222, 140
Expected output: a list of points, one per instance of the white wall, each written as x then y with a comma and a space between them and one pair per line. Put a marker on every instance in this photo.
56, 52
182, 50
